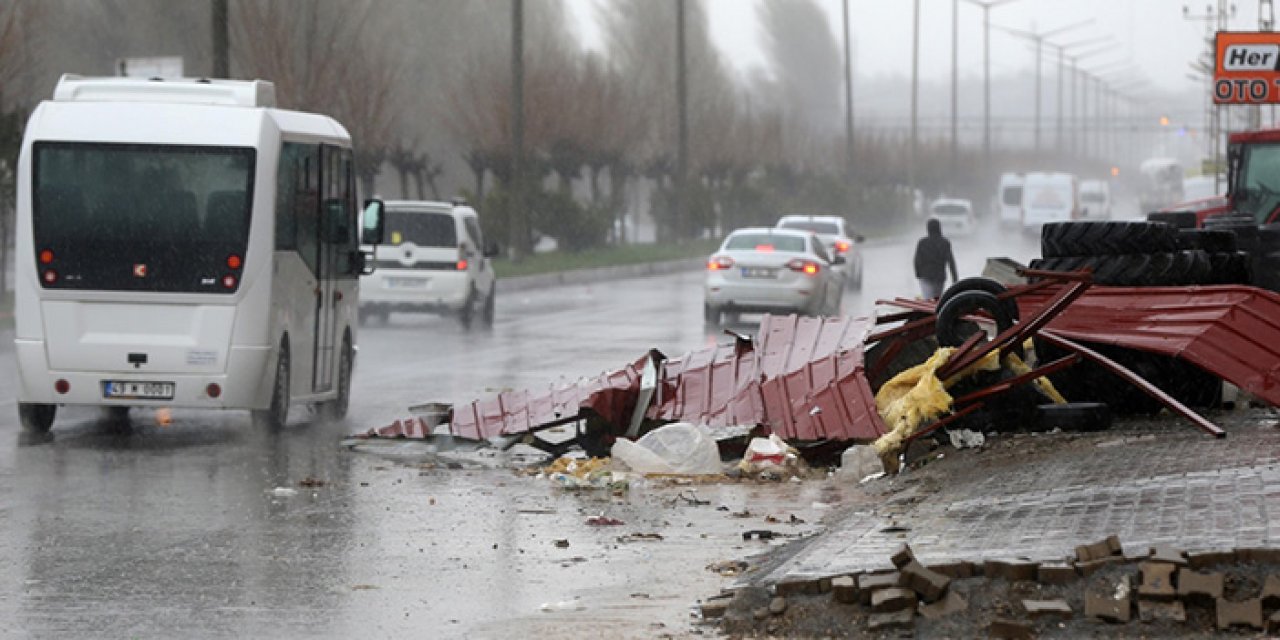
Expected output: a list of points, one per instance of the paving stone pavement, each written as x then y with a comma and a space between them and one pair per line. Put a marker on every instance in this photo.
1039, 497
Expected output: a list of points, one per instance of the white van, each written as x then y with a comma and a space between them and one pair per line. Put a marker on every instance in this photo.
1049, 197
435, 260
1095, 198
1009, 199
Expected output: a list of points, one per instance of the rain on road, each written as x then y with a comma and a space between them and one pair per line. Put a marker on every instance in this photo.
175, 531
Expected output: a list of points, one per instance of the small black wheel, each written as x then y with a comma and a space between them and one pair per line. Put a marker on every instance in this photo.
979, 283
487, 315
36, 418
711, 315
953, 329
277, 414
468, 311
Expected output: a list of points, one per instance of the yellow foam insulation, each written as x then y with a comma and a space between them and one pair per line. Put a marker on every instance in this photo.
916, 397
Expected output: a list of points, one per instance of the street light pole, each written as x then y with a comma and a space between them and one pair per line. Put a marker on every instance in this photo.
519, 216
915, 87
1038, 38
848, 95
955, 73
682, 98
987, 6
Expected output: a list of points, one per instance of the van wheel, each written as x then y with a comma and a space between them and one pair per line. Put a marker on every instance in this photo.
275, 416
336, 409
487, 316
36, 418
468, 311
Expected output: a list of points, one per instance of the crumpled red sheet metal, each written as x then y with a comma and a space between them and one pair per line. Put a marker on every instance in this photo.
804, 379
1231, 331
612, 395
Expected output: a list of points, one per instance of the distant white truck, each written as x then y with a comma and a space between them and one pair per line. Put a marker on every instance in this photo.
1009, 199
1049, 197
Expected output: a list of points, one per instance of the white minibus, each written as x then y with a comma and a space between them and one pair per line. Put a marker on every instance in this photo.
183, 243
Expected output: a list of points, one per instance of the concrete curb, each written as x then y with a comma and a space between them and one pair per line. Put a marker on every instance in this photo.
583, 276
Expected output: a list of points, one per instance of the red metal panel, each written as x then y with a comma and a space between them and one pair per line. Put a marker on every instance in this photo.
804, 379
1230, 331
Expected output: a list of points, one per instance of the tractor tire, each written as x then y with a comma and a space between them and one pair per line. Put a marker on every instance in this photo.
1137, 269
1061, 239
1179, 219
1230, 268
1210, 240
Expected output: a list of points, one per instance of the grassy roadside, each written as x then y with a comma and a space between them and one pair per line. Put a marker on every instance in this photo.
606, 257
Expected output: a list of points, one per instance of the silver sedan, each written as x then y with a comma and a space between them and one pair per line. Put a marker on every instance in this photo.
764, 270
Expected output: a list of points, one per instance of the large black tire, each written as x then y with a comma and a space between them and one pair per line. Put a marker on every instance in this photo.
1210, 240
36, 418
979, 283
952, 330
1093, 238
1091, 382
1139, 269
1179, 219
1074, 416
276, 415
1230, 268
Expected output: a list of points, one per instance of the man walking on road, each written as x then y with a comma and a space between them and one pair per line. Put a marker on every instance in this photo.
933, 257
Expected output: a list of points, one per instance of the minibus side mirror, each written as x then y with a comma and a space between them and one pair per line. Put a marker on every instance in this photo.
374, 225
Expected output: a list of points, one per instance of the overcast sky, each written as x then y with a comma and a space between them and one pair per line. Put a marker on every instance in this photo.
1151, 35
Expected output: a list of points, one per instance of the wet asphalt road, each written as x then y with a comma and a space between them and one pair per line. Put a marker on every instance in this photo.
173, 531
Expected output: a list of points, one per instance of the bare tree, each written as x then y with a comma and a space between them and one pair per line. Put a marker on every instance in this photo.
18, 20
323, 56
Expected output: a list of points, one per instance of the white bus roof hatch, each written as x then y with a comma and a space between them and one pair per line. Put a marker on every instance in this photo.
242, 93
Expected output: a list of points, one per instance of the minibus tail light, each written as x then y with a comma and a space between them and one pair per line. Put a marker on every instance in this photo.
46, 256
50, 276
229, 281
234, 261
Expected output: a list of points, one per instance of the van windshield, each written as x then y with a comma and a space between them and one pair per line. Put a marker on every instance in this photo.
421, 229
1012, 196
137, 217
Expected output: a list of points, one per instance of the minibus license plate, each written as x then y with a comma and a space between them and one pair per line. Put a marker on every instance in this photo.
144, 390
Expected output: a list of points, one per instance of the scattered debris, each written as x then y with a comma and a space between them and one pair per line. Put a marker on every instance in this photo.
758, 534
311, 482
641, 537
728, 568
604, 521
283, 492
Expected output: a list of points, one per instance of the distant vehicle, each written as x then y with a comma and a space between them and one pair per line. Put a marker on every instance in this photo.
1201, 187
435, 260
185, 244
1009, 199
763, 270
837, 239
1095, 199
1161, 184
955, 215
1049, 197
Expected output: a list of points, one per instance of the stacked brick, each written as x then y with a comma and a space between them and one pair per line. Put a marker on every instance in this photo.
1168, 582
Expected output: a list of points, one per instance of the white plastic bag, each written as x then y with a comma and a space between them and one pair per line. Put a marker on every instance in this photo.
680, 448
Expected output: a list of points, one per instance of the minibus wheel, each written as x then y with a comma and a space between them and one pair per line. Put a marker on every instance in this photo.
36, 418
275, 416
